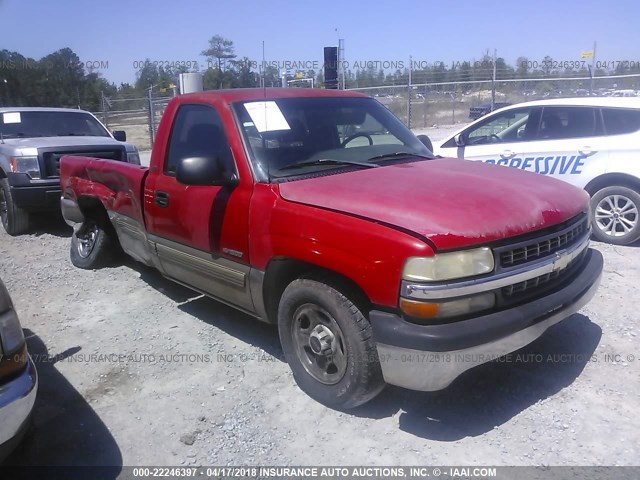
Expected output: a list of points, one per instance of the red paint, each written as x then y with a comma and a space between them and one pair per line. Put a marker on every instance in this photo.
361, 224
455, 204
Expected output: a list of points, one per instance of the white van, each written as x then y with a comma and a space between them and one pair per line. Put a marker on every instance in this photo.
593, 143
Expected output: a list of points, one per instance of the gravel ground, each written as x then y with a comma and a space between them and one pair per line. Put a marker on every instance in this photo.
137, 370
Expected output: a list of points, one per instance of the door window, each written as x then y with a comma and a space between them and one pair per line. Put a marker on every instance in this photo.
197, 132
568, 122
506, 127
618, 121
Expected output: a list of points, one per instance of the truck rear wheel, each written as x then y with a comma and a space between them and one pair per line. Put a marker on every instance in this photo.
91, 246
329, 345
14, 220
615, 217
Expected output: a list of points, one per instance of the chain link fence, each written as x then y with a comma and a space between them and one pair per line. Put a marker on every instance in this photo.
427, 105
136, 115
418, 105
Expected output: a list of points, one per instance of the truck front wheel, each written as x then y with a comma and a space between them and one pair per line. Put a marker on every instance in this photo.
14, 220
91, 246
329, 345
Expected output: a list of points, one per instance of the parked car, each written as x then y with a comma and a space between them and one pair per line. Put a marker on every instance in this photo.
32, 140
592, 143
482, 110
378, 262
18, 378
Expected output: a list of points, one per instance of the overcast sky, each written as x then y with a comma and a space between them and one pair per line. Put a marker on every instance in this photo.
124, 33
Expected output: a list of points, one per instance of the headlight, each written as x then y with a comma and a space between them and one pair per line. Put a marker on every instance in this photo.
133, 157
447, 266
28, 165
11, 336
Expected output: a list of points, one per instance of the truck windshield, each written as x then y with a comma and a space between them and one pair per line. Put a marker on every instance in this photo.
26, 124
297, 136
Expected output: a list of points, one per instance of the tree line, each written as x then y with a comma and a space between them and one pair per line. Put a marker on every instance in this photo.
62, 79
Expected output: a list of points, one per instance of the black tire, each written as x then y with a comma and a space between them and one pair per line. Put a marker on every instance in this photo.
351, 374
92, 247
14, 220
615, 215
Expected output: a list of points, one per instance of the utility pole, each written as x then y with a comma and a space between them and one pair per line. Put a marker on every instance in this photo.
409, 93
593, 69
493, 82
152, 127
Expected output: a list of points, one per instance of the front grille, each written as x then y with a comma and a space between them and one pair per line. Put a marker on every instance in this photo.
543, 246
532, 285
52, 159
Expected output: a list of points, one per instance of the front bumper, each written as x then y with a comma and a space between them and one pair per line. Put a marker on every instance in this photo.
16, 403
431, 357
34, 194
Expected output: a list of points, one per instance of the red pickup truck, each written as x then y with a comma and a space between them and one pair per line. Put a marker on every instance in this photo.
321, 212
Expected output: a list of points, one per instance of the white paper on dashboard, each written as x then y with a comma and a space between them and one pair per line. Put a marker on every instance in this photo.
267, 116
11, 117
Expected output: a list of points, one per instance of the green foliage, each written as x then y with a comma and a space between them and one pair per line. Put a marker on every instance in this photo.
57, 80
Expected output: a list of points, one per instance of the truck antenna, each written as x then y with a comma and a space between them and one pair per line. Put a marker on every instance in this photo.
264, 79
264, 93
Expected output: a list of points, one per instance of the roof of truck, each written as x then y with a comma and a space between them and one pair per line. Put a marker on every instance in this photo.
240, 94
39, 109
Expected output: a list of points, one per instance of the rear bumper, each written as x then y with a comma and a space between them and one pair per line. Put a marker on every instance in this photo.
431, 357
16, 403
31, 194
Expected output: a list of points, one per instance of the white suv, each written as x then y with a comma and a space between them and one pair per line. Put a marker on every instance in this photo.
593, 143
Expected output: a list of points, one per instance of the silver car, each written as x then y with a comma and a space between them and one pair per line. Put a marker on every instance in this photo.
32, 140
18, 378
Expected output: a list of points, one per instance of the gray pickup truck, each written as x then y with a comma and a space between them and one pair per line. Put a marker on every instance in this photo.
32, 140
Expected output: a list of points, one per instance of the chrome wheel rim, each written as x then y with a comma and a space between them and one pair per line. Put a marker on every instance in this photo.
87, 240
319, 344
4, 208
616, 215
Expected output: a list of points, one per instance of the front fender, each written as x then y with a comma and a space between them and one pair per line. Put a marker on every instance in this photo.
369, 254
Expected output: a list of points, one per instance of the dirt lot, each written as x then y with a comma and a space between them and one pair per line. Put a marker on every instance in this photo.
136, 370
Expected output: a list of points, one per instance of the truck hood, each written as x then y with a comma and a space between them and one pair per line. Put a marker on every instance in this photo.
451, 202
19, 145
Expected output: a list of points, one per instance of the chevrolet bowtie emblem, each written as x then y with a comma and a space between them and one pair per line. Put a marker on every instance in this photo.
561, 261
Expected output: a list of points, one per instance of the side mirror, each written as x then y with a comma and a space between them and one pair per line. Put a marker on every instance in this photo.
120, 135
204, 171
459, 139
426, 141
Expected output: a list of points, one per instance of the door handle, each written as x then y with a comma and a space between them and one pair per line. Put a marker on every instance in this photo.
586, 151
162, 199
507, 154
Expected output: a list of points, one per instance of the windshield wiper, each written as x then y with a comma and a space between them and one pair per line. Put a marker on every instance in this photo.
327, 161
71, 134
400, 154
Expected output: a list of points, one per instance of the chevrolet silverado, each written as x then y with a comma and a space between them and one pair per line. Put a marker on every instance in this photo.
321, 212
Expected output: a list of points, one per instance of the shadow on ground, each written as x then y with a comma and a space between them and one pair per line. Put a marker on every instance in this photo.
233, 322
50, 223
65, 429
491, 394
481, 399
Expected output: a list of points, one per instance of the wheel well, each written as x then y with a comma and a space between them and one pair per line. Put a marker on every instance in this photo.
611, 180
93, 209
282, 271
